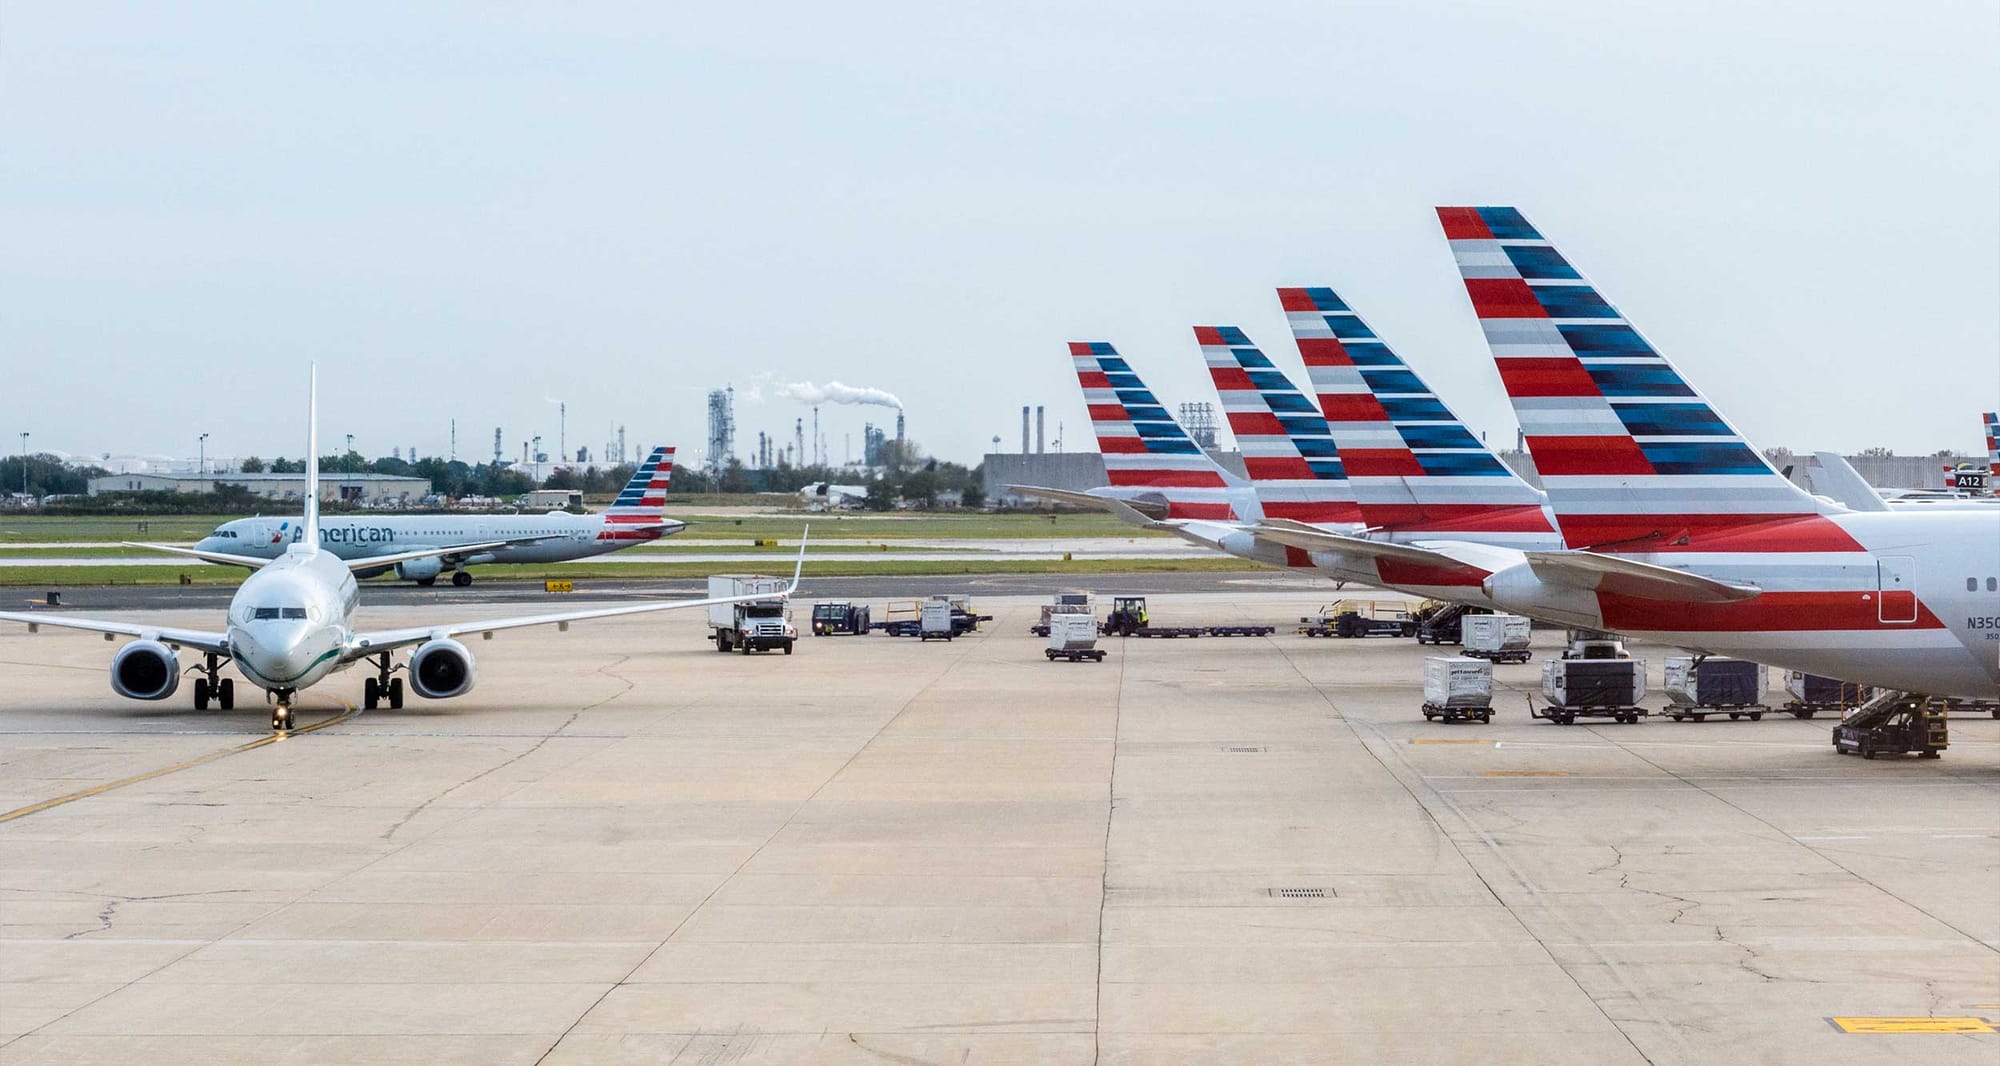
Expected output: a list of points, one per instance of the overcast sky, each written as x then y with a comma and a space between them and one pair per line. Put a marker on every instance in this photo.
463, 211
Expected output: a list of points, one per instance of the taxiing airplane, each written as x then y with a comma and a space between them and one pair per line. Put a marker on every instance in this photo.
637, 516
291, 623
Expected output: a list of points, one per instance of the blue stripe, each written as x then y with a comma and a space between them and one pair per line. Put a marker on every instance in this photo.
1605, 340
1414, 409
1461, 464
1392, 381
1181, 446
1325, 299
1572, 301
1657, 379
1345, 326
1540, 262
1506, 224
1251, 358
1371, 353
1732, 457
1670, 420
1446, 436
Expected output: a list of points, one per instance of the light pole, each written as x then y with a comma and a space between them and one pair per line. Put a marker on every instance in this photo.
201, 460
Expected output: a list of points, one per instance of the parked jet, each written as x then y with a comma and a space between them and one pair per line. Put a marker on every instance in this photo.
291, 623
636, 517
1680, 531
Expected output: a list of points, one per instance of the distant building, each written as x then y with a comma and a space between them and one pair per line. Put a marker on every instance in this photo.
373, 490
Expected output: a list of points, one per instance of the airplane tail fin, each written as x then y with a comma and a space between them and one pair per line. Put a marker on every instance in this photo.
1142, 445
640, 511
1993, 444
308, 542
1412, 460
1287, 449
1627, 449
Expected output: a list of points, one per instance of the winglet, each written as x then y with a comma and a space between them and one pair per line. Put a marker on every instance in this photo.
800, 567
309, 539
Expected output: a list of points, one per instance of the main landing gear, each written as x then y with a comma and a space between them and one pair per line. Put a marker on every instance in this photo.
209, 688
382, 687
461, 579
281, 710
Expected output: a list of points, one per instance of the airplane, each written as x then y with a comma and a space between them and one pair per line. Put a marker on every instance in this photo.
637, 516
1679, 531
291, 624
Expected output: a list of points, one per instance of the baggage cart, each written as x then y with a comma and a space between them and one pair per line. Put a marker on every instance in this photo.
1500, 638
1700, 685
1073, 637
1458, 689
1812, 694
1591, 688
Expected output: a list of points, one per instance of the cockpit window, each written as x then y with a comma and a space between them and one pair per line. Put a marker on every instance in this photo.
262, 613
293, 612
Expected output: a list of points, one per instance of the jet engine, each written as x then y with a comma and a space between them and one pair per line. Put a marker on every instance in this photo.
1519, 589
419, 569
441, 669
145, 670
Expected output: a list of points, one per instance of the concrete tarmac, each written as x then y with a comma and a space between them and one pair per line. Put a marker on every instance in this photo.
623, 847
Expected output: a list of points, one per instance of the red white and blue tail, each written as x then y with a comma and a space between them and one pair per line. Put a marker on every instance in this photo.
1287, 449
1414, 464
1993, 447
640, 511
1631, 455
1142, 445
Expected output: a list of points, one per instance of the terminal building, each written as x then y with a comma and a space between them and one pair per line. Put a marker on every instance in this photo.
368, 490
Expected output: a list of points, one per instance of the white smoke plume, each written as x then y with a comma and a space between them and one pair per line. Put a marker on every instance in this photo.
810, 394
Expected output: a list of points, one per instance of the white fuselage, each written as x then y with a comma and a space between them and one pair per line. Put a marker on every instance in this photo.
559, 535
290, 621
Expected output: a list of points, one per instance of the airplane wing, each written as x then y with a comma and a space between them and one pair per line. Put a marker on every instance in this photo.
1630, 577
375, 643
251, 561
1145, 509
1300, 535
216, 643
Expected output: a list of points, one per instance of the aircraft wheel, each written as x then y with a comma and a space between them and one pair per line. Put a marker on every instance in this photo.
201, 693
371, 694
461, 579
395, 693
226, 694
427, 582
281, 717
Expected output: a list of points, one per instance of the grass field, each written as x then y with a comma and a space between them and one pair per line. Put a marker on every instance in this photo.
203, 574
31, 529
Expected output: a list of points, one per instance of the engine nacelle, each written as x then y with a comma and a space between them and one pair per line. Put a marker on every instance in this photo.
1520, 590
441, 669
145, 670
419, 569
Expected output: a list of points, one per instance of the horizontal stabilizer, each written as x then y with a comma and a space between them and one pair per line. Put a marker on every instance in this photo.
1836, 479
1629, 577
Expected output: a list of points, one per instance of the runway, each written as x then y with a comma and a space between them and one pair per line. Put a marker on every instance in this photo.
624, 847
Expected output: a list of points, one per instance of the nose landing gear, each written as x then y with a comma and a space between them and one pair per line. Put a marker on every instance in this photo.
281, 710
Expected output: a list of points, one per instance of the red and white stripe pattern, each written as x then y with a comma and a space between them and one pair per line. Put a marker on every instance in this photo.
1992, 420
1413, 464
639, 512
1274, 424
1142, 445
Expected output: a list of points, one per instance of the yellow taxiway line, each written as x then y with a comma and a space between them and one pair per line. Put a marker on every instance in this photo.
99, 790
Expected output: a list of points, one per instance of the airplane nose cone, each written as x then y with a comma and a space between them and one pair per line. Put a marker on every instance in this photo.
280, 653
208, 544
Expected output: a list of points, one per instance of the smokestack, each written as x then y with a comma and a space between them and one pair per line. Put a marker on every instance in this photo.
1038, 431
818, 459
899, 429
799, 448
1024, 429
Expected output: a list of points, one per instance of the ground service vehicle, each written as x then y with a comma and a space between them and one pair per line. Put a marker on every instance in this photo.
838, 617
1128, 615
1073, 637
1457, 688
749, 625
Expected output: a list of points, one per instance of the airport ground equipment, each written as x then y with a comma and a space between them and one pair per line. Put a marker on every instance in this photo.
1238, 631
1959, 706
1700, 685
1591, 688
1500, 638
750, 625
839, 618
1458, 689
1360, 618
1073, 637
1894, 723
1065, 603
1443, 622
963, 618
934, 620
904, 618
1811, 694
1128, 615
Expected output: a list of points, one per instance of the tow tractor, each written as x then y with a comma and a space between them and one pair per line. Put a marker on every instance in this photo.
838, 618
1894, 723
1360, 618
1129, 618
1442, 621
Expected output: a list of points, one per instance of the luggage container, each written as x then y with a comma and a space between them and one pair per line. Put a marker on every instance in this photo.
1592, 688
1698, 686
1073, 637
1502, 638
1811, 694
1065, 603
935, 620
1457, 688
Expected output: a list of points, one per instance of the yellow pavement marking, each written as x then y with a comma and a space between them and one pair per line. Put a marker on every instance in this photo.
108, 786
1450, 740
1524, 773
1913, 1025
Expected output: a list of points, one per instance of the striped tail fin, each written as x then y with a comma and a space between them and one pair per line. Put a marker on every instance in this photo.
1414, 464
1142, 445
1627, 449
1993, 445
1287, 449
642, 503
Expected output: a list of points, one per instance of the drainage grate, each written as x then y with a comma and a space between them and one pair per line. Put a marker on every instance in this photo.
1241, 750
1299, 893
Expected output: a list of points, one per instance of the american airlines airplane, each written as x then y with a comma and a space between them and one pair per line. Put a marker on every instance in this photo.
636, 517
291, 623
